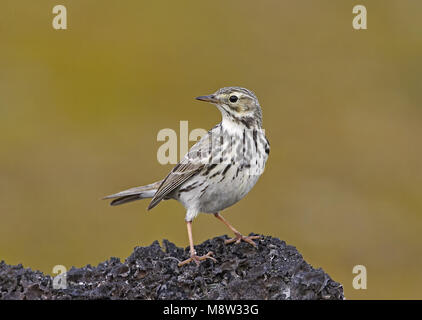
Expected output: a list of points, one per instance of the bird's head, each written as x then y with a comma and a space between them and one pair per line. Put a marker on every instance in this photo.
238, 105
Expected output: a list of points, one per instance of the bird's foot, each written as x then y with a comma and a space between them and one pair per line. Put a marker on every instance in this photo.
197, 259
239, 238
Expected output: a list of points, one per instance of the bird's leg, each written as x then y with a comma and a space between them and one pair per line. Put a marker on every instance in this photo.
193, 256
238, 236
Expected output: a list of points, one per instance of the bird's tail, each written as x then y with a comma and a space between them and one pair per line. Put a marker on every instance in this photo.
134, 194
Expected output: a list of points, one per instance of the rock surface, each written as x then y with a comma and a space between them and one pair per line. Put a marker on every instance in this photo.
272, 271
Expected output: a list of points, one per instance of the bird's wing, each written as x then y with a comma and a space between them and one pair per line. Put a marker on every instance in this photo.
193, 163
180, 174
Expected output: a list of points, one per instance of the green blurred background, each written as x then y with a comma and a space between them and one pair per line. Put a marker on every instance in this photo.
80, 110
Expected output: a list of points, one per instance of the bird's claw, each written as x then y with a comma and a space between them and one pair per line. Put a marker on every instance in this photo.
240, 238
197, 259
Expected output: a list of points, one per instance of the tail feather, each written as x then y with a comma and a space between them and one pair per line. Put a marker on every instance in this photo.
134, 194
125, 199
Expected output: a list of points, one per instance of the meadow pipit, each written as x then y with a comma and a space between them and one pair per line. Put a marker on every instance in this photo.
219, 170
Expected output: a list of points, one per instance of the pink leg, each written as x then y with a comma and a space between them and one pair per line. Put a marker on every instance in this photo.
193, 256
238, 236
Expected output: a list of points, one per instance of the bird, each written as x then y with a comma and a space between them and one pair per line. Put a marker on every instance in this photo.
218, 170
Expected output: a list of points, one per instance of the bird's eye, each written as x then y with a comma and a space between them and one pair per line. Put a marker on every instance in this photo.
233, 99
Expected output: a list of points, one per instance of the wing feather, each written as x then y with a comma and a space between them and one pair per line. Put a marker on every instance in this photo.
188, 167
180, 174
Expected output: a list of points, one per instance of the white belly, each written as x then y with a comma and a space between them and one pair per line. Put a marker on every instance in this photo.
215, 194
222, 195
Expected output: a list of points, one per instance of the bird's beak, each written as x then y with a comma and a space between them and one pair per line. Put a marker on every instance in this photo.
211, 98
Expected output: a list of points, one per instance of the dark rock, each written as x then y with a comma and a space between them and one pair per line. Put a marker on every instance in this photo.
272, 271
